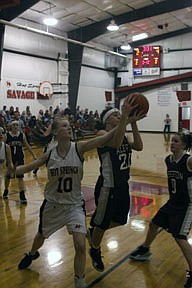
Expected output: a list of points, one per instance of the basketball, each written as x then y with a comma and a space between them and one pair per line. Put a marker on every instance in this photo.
141, 100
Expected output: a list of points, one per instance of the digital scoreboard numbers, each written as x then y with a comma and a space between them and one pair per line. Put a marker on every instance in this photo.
146, 61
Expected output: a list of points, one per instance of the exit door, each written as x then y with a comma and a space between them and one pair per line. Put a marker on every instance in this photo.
184, 118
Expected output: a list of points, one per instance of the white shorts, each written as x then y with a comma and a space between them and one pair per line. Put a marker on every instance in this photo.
54, 216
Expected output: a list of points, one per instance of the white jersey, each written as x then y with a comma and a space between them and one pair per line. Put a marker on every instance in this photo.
64, 177
2, 156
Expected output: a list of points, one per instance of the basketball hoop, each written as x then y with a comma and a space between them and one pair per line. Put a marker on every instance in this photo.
45, 90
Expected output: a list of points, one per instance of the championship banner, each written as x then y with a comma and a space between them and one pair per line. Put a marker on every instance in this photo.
25, 89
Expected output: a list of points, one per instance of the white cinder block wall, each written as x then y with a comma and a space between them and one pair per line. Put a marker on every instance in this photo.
93, 82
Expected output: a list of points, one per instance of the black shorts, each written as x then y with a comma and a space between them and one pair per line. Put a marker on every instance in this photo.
174, 219
112, 206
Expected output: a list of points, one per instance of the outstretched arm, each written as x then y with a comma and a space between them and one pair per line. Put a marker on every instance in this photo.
85, 146
119, 133
113, 138
22, 169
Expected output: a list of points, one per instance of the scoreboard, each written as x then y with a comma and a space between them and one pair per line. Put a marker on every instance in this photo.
146, 61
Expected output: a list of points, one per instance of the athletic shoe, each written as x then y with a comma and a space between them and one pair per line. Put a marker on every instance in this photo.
79, 282
23, 200
27, 260
188, 284
5, 194
90, 235
96, 258
141, 253
35, 172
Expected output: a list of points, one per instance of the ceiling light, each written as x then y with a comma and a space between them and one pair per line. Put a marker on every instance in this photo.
112, 26
50, 21
125, 46
139, 36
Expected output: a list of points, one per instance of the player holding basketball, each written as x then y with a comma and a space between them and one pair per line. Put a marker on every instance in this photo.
64, 202
175, 216
112, 197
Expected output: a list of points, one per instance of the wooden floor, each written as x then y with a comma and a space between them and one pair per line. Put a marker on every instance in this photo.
18, 225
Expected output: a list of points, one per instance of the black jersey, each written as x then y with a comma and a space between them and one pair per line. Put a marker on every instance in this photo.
179, 181
16, 145
115, 164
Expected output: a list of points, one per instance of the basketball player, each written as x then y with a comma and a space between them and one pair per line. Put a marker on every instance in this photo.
5, 154
175, 216
16, 140
64, 202
112, 190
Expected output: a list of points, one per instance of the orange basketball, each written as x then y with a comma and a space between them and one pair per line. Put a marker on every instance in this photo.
141, 100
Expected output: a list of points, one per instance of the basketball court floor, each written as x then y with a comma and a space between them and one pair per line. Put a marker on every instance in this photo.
148, 186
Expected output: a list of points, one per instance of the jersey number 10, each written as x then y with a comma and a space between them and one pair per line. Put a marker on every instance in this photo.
65, 184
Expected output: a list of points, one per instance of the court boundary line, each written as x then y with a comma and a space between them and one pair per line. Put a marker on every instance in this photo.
98, 279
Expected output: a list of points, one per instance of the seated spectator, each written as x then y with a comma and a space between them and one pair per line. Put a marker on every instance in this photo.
17, 117
2, 121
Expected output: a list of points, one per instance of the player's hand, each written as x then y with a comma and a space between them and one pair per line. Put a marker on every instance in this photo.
136, 117
128, 107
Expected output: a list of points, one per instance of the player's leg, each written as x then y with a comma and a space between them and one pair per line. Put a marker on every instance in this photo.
187, 252
33, 254
21, 185
142, 252
6, 184
79, 259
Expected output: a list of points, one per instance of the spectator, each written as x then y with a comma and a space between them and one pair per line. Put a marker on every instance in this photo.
167, 122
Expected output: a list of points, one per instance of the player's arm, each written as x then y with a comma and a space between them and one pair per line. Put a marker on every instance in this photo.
10, 165
103, 139
22, 169
114, 137
28, 146
137, 143
119, 133
189, 163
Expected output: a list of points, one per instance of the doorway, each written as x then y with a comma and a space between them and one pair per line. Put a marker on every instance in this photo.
184, 117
